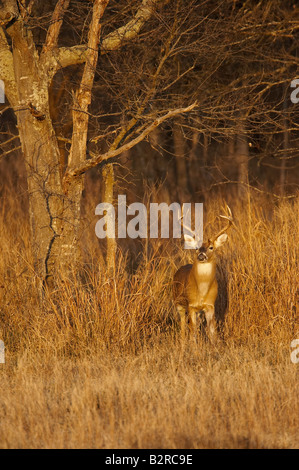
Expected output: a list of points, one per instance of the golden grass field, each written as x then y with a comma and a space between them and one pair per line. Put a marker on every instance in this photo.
100, 364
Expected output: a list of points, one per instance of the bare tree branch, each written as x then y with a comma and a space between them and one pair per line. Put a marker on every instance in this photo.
129, 31
123, 134
82, 168
54, 29
83, 95
77, 152
66, 56
9, 12
3, 154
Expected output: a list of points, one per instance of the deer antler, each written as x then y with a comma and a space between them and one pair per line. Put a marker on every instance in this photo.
189, 229
228, 217
192, 239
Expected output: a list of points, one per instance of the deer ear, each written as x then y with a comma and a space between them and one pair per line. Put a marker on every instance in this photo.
190, 242
220, 240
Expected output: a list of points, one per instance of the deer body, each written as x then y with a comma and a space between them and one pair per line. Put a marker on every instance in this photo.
195, 286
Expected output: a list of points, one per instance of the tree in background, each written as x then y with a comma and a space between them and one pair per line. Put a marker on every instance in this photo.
27, 69
235, 60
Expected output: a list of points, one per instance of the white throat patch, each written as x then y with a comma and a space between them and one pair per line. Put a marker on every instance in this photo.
204, 269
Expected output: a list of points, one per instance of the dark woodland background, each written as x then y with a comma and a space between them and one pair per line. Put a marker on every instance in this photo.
236, 59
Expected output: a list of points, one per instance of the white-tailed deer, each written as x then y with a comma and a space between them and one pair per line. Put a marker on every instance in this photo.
195, 286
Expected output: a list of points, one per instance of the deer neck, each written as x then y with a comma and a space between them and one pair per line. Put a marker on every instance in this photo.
204, 273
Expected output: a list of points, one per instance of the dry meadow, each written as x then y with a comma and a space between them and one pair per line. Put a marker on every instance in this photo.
99, 364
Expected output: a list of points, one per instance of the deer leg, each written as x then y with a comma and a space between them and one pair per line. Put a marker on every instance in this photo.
182, 313
192, 322
211, 322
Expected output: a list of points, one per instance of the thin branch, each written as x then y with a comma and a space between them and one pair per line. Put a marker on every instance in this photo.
54, 29
129, 31
83, 95
3, 154
249, 186
122, 137
30, 6
181, 75
9, 140
4, 109
82, 168
66, 56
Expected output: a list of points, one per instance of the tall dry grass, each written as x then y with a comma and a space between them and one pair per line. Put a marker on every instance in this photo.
100, 365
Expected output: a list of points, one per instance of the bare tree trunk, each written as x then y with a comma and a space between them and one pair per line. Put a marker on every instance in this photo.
73, 187
108, 179
40, 150
54, 207
55, 195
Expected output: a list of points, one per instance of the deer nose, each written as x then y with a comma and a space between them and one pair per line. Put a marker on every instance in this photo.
202, 256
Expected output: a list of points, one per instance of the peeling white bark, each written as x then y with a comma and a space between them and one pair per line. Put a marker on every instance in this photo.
66, 56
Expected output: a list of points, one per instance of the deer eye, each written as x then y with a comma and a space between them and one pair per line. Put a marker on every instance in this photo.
211, 248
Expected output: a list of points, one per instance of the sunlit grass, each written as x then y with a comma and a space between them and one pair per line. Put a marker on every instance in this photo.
100, 364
